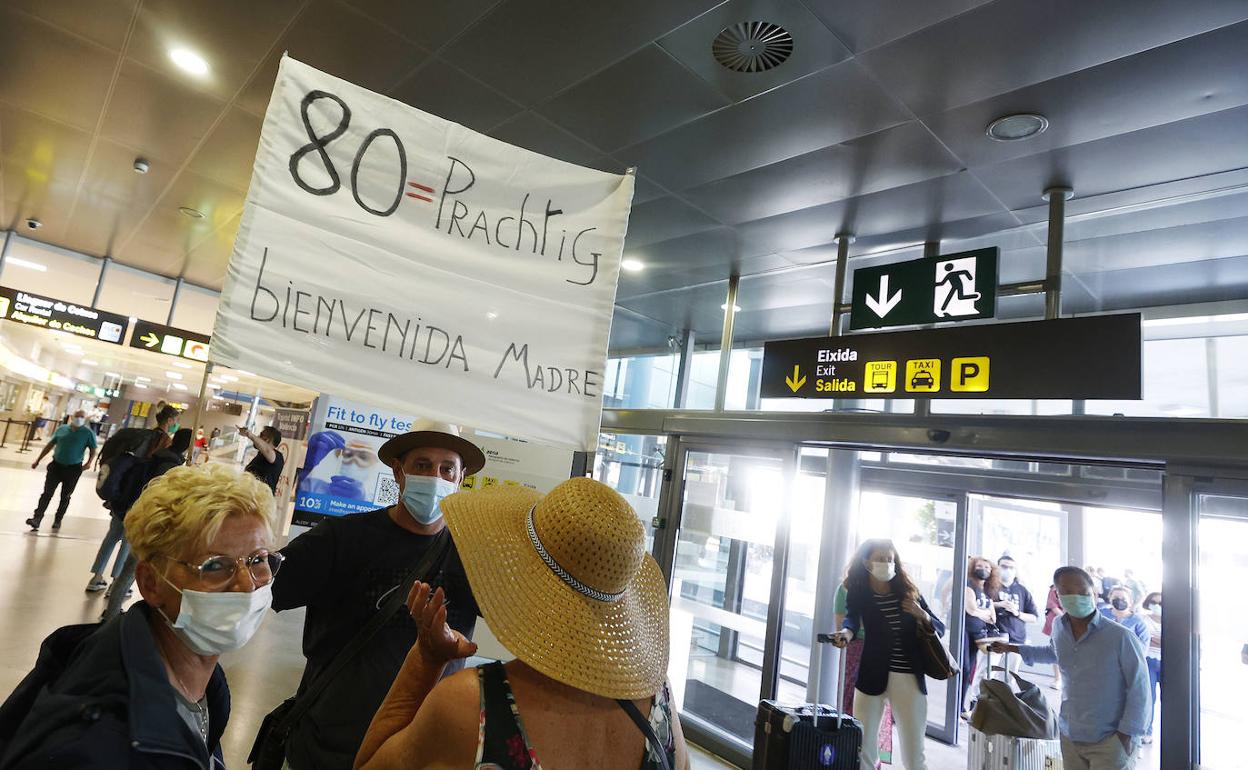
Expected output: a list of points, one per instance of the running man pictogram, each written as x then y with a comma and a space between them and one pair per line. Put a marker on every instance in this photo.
956, 281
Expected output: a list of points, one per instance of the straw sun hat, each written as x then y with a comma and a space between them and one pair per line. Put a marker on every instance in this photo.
565, 583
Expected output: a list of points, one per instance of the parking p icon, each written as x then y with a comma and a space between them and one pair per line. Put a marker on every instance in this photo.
969, 375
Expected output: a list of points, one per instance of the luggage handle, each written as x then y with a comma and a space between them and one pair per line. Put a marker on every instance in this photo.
840, 677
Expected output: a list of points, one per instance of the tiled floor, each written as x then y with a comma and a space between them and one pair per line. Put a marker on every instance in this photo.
41, 588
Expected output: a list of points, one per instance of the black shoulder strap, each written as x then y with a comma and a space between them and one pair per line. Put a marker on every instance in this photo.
643, 724
428, 565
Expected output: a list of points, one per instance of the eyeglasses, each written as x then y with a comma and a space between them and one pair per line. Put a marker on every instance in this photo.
218, 571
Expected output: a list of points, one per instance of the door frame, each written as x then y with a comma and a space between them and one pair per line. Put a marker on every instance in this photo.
666, 539
946, 732
1180, 630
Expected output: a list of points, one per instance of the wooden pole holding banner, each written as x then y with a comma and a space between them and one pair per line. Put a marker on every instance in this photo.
199, 411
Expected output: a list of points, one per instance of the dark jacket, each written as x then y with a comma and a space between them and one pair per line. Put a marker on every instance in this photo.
878, 641
99, 698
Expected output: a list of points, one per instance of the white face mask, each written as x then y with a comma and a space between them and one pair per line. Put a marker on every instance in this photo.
216, 622
1007, 575
80, 421
423, 496
883, 570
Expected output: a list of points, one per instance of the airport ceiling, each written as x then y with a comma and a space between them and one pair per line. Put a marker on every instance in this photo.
875, 125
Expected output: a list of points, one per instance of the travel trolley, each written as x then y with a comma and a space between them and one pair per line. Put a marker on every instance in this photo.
809, 736
1009, 752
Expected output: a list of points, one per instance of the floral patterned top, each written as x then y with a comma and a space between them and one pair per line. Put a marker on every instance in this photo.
502, 743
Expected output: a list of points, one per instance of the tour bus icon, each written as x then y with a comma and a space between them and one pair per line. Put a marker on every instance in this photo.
879, 378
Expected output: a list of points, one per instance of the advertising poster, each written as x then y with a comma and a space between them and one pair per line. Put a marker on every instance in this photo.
341, 473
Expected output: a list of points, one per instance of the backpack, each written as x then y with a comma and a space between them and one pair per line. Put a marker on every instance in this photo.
120, 453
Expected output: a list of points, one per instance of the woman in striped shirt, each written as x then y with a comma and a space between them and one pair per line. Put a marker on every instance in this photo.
883, 600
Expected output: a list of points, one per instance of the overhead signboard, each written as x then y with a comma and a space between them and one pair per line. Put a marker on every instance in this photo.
169, 340
954, 287
382, 244
58, 315
1076, 358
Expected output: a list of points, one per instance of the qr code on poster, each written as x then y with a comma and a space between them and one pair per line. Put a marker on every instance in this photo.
387, 492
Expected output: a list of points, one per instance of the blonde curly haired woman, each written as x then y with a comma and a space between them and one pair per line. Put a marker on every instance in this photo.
144, 690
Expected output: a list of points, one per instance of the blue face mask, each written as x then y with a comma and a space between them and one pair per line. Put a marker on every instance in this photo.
423, 495
1078, 605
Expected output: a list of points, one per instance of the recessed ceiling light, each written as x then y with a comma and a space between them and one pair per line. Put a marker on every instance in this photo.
1011, 128
735, 308
173, 375
142, 379
244, 371
181, 365
18, 262
90, 362
112, 374
189, 61
178, 386
228, 378
190, 212
491, 315
140, 385
633, 265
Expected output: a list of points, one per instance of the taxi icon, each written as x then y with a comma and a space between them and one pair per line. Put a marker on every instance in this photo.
922, 379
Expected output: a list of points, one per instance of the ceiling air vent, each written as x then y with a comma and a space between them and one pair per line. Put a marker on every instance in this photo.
752, 46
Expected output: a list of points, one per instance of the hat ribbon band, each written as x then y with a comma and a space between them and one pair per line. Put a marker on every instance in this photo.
577, 585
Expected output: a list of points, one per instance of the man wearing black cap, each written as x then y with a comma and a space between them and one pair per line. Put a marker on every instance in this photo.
343, 569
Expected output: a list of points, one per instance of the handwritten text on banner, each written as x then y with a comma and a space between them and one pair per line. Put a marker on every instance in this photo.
392, 257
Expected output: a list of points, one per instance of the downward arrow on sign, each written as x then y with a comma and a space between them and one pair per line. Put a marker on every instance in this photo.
883, 303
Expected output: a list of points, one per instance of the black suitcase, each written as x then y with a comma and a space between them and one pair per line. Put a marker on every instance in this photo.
807, 737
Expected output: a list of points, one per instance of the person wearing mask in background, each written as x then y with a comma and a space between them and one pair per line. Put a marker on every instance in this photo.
885, 602
1015, 606
1151, 616
1108, 583
268, 463
1052, 611
68, 445
201, 447
170, 452
342, 569
853, 661
983, 582
1121, 609
145, 690
1105, 703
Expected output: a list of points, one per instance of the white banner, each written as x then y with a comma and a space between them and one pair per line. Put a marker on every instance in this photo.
391, 257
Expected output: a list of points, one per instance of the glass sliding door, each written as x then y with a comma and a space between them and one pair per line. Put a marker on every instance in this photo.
1222, 636
725, 624
924, 526
633, 466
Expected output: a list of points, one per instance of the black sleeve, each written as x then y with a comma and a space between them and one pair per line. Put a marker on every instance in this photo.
306, 573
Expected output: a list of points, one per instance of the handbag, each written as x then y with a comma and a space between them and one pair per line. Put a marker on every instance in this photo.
268, 752
1022, 714
934, 657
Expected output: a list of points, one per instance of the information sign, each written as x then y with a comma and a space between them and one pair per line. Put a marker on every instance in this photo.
169, 340
1076, 358
954, 287
59, 315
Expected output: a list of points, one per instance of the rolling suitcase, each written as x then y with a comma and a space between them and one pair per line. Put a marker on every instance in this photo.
1009, 752
807, 737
